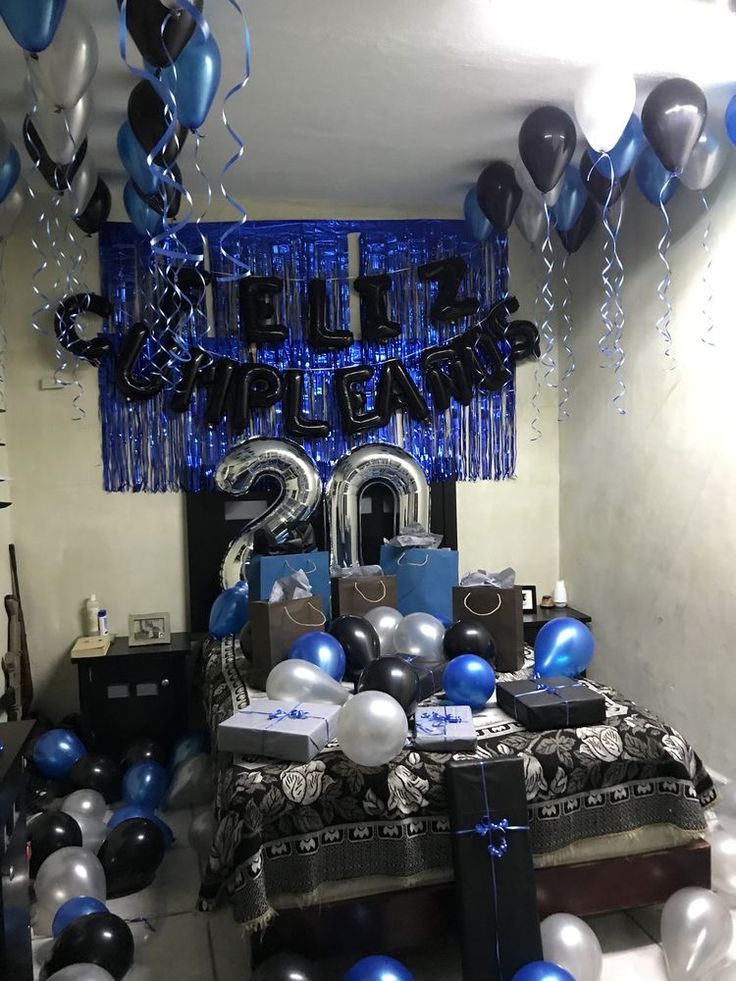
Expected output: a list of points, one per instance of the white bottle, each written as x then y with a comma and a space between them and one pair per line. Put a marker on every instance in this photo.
91, 612
102, 623
560, 593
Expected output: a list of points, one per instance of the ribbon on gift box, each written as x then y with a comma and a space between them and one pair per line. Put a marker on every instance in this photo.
551, 690
280, 715
436, 722
496, 832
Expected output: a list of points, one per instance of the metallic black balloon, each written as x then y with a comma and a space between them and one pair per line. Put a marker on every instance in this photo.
498, 194
130, 855
146, 19
469, 637
148, 119
673, 117
97, 211
58, 176
48, 833
42, 791
547, 141
296, 423
393, 676
575, 236
359, 641
524, 339
599, 184
143, 751
98, 938
287, 967
98, 772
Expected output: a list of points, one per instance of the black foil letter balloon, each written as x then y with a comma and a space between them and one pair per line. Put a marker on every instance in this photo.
446, 377
98, 938
481, 359
65, 325
375, 324
397, 390
448, 274
133, 388
320, 336
295, 422
160, 30
255, 386
219, 389
524, 339
351, 400
673, 118
359, 641
546, 144
190, 369
148, 118
498, 194
257, 315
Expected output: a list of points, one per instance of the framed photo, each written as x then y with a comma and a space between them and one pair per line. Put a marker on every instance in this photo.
529, 599
148, 628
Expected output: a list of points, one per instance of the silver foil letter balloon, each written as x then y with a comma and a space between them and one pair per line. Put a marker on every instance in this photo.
373, 463
301, 492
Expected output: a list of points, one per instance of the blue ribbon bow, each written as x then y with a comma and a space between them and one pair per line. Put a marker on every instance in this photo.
295, 713
551, 690
437, 721
280, 715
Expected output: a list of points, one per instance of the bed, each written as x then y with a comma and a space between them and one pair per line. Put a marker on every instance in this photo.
616, 818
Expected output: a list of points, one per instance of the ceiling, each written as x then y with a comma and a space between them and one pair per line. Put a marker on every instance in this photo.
396, 105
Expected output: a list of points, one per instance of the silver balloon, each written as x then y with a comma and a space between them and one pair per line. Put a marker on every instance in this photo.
192, 784
64, 70
420, 634
301, 492
525, 182
727, 973
696, 933
372, 728
373, 463
83, 185
202, 832
66, 873
530, 218
295, 680
723, 865
385, 620
5, 142
707, 159
568, 941
82, 972
94, 830
11, 208
726, 807
62, 131
88, 802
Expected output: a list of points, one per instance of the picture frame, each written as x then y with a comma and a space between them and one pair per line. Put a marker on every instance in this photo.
529, 599
147, 629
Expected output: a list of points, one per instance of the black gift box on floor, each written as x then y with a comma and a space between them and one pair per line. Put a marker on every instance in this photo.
551, 703
496, 893
430, 674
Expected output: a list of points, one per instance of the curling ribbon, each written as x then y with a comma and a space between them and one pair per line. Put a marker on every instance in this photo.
664, 322
566, 340
546, 329
619, 317
707, 337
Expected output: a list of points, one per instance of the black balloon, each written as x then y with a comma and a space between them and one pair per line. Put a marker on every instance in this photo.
255, 386
524, 339
97, 211
258, 323
160, 33
295, 422
143, 750
65, 325
396, 677
48, 833
42, 791
287, 967
219, 390
58, 176
469, 637
575, 236
673, 117
98, 938
359, 641
149, 120
134, 388
190, 370
397, 391
375, 323
599, 185
546, 144
448, 274
445, 376
318, 331
350, 396
98, 772
167, 198
498, 194
130, 855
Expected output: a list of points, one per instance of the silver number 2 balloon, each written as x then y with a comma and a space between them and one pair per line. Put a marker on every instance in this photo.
301, 491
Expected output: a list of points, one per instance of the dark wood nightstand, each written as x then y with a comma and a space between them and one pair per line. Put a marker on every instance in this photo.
533, 622
16, 960
136, 691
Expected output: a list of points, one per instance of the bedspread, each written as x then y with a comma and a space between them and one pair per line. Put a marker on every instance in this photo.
285, 829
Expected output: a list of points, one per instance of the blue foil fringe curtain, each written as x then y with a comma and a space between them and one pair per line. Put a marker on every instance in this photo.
148, 447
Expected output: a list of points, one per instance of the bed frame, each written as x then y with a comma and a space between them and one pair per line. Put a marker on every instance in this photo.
397, 921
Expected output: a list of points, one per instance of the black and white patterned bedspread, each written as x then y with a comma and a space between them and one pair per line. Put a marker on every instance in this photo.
286, 828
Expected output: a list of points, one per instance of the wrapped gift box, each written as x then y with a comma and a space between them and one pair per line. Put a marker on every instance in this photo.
445, 729
492, 859
294, 731
431, 674
551, 703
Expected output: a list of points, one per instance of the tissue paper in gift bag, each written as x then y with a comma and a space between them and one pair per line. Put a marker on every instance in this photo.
273, 629
356, 595
264, 570
500, 612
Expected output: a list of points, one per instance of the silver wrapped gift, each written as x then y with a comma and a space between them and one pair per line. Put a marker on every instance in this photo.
294, 731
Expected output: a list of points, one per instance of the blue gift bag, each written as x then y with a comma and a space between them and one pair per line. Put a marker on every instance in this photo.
424, 578
264, 570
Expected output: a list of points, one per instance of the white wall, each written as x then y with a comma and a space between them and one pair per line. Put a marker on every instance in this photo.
647, 503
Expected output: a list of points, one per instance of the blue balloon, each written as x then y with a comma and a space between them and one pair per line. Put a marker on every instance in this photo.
193, 79
32, 23
72, 909
145, 784
133, 158
654, 179
731, 120
145, 220
229, 613
321, 649
571, 201
379, 968
9, 173
564, 646
187, 747
445, 621
476, 222
56, 752
625, 153
543, 971
469, 680
127, 812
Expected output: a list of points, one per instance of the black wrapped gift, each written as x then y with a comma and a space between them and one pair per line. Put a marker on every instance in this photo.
430, 674
492, 859
551, 703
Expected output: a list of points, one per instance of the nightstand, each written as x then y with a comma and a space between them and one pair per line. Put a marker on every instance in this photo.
136, 691
533, 622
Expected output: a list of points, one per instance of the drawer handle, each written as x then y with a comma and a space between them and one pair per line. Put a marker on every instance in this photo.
164, 682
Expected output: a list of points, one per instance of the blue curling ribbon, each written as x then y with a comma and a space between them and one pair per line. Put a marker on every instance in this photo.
436, 722
663, 323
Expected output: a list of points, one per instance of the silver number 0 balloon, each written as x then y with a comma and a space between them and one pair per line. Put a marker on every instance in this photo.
301, 492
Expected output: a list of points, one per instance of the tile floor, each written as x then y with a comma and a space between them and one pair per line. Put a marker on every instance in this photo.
189, 946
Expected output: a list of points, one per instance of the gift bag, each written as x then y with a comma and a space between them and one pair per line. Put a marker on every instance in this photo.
500, 612
424, 578
264, 570
356, 595
273, 629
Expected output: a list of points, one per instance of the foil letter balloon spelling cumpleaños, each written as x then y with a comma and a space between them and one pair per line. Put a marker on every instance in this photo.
381, 462
301, 491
